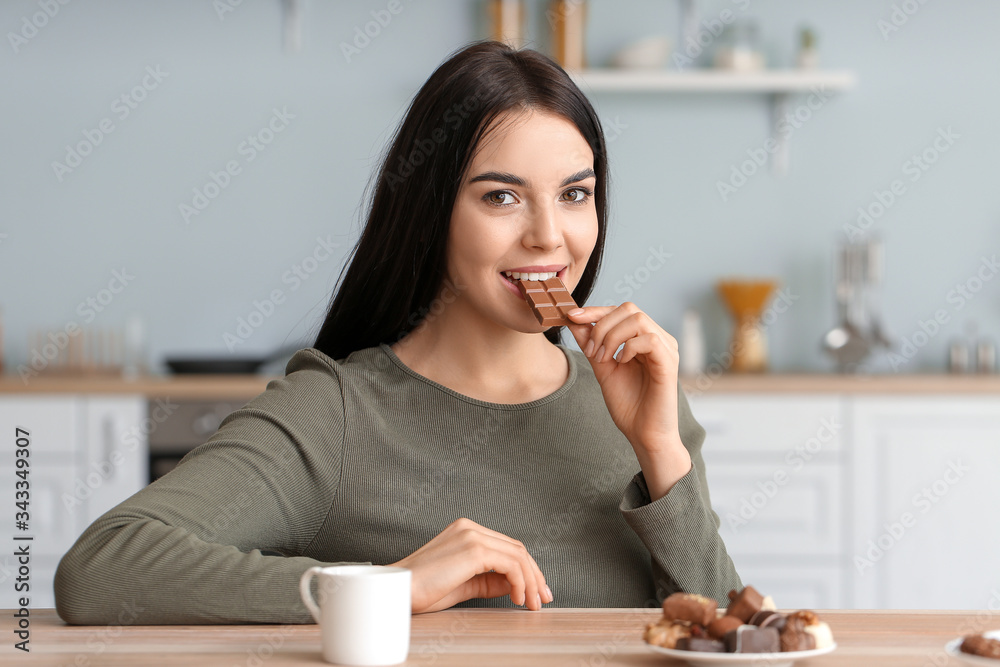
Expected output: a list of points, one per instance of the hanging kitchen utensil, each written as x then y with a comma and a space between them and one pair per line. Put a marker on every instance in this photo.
845, 343
875, 267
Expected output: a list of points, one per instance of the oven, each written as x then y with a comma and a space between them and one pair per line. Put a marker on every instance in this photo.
189, 425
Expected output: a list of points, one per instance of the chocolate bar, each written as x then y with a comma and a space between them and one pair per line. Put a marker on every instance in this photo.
549, 300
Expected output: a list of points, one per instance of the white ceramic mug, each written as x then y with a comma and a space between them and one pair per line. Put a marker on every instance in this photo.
363, 614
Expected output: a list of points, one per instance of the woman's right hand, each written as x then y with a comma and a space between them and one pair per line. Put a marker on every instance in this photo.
466, 561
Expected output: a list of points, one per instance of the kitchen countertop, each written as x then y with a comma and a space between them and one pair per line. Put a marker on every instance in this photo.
484, 637
178, 387
208, 387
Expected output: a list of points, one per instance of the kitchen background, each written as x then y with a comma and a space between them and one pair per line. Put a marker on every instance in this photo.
209, 75
120, 120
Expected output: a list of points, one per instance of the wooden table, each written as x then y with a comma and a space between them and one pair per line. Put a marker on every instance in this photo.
478, 638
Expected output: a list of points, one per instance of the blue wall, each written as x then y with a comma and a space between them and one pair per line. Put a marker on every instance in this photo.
223, 78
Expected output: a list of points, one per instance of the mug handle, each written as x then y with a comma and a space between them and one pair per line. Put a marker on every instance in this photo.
306, 593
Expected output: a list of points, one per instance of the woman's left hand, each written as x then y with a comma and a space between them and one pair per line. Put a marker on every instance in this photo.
639, 387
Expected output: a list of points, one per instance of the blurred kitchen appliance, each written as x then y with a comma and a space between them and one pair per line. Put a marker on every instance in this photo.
745, 300
860, 269
189, 424
229, 363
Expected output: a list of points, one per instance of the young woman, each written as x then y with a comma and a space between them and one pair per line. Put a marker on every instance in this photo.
435, 424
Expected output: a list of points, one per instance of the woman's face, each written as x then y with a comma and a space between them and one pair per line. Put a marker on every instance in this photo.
526, 205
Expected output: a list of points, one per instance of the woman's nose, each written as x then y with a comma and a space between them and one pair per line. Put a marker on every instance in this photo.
543, 230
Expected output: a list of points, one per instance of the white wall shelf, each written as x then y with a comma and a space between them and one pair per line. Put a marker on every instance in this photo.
778, 84
774, 81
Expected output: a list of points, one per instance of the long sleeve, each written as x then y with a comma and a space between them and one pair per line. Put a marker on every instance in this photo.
187, 548
680, 529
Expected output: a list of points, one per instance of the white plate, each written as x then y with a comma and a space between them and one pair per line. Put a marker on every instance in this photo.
951, 648
704, 659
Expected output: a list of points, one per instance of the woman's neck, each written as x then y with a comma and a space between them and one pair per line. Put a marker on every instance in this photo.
483, 362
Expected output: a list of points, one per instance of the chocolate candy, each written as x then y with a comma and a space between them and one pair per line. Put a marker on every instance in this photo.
689, 607
751, 639
807, 617
549, 300
976, 645
824, 637
695, 644
745, 604
794, 637
765, 618
718, 628
666, 633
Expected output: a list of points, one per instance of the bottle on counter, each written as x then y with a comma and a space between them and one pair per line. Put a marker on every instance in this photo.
134, 353
568, 19
507, 21
692, 345
986, 356
958, 356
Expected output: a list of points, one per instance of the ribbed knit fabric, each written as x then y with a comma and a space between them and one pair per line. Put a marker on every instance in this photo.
364, 460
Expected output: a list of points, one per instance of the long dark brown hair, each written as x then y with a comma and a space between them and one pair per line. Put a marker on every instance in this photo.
397, 267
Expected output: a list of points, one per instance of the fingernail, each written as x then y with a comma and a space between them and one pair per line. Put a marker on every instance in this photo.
576, 311
539, 598
590, 348
600, 354
549, 592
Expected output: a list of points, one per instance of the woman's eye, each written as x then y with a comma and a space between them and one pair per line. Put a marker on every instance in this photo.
497, 198
579, 195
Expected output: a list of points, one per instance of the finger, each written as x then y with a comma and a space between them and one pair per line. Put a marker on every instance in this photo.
513, 562
638, 324
628, 328
535, 571
527, 580
650, 346
590, 314
482, 586
601, 328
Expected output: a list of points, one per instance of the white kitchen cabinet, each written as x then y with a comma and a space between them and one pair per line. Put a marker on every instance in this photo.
70, 436
802, 514
892, 511
925, 498
117, 464
776, 476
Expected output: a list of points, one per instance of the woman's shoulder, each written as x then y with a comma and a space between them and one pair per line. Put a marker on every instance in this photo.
311, 361
310, 372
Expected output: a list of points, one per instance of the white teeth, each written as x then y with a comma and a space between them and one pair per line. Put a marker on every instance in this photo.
530, 276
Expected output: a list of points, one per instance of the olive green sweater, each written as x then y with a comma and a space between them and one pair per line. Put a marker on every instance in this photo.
364, 460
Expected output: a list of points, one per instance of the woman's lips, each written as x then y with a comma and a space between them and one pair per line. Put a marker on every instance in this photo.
511, 284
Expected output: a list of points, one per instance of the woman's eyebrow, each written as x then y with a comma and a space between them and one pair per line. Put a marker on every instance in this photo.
511, 179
